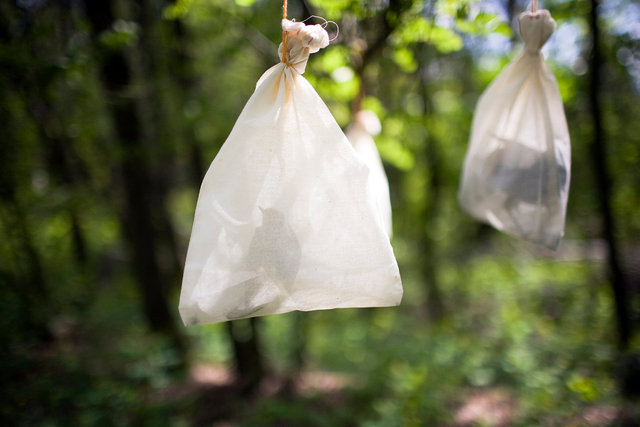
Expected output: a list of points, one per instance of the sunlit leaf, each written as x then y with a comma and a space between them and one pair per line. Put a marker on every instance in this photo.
405, 60
422, 30
121, 35
177, 10
394, 153
245, 3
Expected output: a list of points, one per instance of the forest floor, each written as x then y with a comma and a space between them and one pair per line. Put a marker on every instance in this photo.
220, 403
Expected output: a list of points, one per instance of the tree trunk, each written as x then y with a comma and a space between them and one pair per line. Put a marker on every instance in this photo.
136, 215
28, 278
56, 149
435, 302
23, 272
603, 184
181, 68
159, 131
246, 354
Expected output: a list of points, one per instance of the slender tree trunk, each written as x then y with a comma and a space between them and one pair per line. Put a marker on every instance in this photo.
247, 356
56, 145
299, 341
182, 70
23, 271
160, 127
603, 184
28, 278
435, 302
136, 215
56, 149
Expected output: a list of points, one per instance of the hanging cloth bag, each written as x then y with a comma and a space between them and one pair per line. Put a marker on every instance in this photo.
285, 220
517, 168
366, 125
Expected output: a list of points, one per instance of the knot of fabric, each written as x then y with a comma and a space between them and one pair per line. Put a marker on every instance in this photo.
536, 28
301, 41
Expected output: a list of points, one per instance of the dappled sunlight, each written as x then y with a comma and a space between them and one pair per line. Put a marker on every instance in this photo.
324, 382
211, 375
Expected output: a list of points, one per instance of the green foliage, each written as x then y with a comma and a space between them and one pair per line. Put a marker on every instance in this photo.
123, 34
178, 9
423, 30
390, 145
532, 329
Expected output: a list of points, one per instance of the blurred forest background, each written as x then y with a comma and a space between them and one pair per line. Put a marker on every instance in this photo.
111, 112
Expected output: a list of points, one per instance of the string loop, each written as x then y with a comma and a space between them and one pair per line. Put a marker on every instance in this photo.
325, 24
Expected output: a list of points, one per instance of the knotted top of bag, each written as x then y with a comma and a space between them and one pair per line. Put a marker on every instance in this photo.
301, 41
536, 28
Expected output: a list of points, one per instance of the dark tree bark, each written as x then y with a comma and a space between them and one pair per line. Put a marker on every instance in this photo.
160, 128
28, 278
435, 301
181, 68
603, 184
297, 351
56, 148
247, 356
26, 264
136, 214
24, 272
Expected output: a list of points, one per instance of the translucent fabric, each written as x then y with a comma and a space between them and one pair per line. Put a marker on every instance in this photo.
366, 125
517, 168
285, 219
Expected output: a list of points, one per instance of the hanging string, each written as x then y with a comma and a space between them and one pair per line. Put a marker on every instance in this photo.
534, 5
284, 35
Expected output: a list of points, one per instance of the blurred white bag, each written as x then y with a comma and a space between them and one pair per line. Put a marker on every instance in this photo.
366, 125
517, 168
285, 220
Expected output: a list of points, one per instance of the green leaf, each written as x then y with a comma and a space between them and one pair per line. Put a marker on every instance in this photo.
245, 3
332, 59
390, 147
121, 35
422, 30
177, 10
405, 59
445, 40
583, 386
373, 104
332, 8
483, 23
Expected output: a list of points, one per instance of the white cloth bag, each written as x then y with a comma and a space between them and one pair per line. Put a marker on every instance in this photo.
285, 220
517, 168
361, 132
